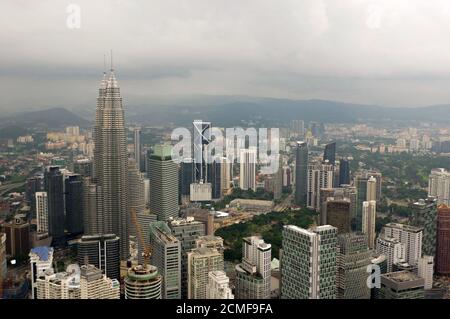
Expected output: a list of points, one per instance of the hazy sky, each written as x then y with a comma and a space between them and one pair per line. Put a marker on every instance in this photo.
387, 52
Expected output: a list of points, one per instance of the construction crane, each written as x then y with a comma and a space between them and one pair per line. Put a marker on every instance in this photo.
146, 248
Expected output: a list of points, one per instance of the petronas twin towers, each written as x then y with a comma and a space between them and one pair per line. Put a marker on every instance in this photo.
111, 165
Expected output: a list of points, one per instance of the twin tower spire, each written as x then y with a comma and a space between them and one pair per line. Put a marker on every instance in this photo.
108, 81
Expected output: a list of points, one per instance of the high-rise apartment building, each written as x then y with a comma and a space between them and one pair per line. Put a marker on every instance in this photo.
42, 212
96, 285
253, 273
33, 184
392, 248
320, 175
301, 173
218, 286
308, 263
111, 162
425, 270
369, 218
41, 260
163, 175
102, 251
410, 237
166, 256
353, 257
201, 261
439, 185
247, 172
443, 241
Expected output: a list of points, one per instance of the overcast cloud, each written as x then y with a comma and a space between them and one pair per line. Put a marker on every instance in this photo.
387, 52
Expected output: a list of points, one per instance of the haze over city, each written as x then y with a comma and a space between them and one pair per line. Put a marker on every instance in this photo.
391, 53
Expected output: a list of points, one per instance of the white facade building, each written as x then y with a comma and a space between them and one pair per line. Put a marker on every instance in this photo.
410, 237
369, 217
320, 175
392, 248
247, 178
425, 270
439, 185
42, 212
218, 286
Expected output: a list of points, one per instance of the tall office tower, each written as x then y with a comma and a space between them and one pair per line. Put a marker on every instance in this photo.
425, 270
17, 237
320, 175
253, 274
42, 212
201, 261
102, 251
136, 192
111, 161
401, 285
74, 203
93, 213
344, 172
166, 256
83, 166
143, 283
187, 231
371, 192
278, 180
247, 171
2, 255
163, 175
55, 193
337, 212
34, 184
214, 177
301, 173
439, 185
96, 285
218, 286
185, 179
425, 215
362, 184
392, 248
225, 175
297, 128
369, 219
309, 263
443, 241
201, 139
137, 147
353, 257
410, 237
147, 191
41, 259
330, 153
61, 285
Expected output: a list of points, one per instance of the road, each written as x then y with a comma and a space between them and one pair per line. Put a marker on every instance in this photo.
8, 187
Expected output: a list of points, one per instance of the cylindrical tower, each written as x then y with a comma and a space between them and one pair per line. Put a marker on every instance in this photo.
143, 283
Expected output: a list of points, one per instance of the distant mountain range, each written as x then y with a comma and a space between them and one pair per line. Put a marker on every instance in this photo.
49, 118
232, 111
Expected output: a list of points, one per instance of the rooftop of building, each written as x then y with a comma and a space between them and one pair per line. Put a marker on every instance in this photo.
401, 276
44, 253
404, 227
